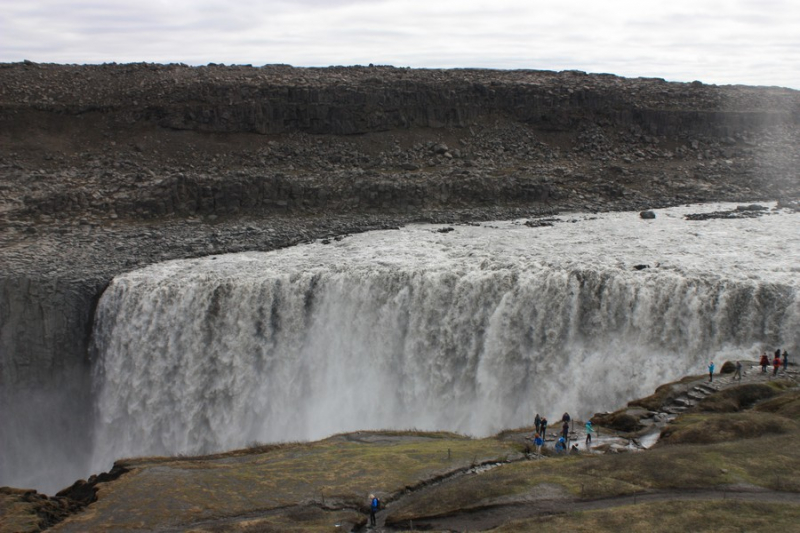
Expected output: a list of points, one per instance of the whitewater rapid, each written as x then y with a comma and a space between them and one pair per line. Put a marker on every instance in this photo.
472, 330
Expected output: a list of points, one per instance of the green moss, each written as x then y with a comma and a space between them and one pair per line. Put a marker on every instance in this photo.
342, 470
738, 398
786, 405
714, 428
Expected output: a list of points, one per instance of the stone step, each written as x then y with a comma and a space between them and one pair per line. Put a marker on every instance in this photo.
682, 402
696, 396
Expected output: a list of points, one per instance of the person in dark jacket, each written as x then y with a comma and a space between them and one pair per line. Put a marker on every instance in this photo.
738, 373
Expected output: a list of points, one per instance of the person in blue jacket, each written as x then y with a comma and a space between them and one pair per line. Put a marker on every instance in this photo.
589, 431
374, 506
538, 442
711, 372
561, 445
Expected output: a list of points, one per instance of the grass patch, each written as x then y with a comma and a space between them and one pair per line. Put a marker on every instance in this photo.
520, 481
667, 517
16, 514
768, 462
786, 405
338, 472
735, 399
23, 511
301, 519
714, 428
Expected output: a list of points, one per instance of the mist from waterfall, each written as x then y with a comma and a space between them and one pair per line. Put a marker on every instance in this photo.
472, 330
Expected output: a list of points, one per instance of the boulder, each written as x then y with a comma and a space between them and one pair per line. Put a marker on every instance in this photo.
619, 421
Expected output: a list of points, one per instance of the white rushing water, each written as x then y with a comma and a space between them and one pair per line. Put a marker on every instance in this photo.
473, 330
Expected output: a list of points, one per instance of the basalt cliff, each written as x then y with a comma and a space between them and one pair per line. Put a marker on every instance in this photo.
107, 168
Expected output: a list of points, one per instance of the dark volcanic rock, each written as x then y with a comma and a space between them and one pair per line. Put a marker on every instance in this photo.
618, 421
752, 207
750, 211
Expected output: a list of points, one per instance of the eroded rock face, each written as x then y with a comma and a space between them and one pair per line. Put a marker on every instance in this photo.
131, 142
355, 100
44, 372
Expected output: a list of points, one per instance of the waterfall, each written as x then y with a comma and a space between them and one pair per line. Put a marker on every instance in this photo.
472, 331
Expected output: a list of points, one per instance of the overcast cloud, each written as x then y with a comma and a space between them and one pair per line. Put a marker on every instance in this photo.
755, 42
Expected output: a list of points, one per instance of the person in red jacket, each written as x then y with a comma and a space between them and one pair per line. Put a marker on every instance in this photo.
764, 362
776, 364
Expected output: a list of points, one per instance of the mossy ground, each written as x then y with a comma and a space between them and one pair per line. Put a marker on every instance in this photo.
335, 476
16, 514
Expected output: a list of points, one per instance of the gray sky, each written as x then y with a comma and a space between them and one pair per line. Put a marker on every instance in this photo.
754, 42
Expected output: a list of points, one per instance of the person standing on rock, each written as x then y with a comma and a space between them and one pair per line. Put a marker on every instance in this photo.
544, 427
589, 431
776, 364
738, 372
764, 362
565, 431
537, 422
785, 361
711, 372
538, 441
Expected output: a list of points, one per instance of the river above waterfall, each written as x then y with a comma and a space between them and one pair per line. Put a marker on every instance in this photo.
469, 328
